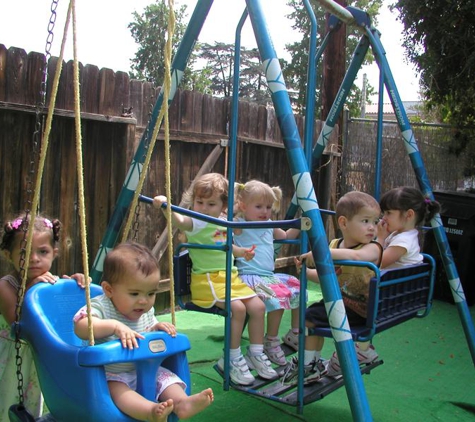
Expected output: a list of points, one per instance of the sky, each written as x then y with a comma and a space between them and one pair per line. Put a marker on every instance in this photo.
104, 40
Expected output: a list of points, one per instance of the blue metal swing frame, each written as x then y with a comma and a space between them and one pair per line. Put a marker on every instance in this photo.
305, 197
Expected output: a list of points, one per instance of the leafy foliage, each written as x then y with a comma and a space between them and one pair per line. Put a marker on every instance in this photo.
220, 66
149, 30
296, 70
440, 40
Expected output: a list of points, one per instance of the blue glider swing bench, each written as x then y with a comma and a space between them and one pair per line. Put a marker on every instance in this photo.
72, 375
396, 296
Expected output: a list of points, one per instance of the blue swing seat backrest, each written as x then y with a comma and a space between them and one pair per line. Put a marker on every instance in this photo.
182, 266
72, 375
395, 296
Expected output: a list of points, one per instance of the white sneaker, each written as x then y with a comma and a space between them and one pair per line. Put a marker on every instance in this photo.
238, 371
261, 364
364, 357
291, 339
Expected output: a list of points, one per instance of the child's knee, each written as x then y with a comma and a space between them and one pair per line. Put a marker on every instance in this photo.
256, 307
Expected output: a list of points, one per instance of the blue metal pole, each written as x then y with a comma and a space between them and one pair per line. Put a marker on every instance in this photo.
231, 179
379, 137
425, 186
293, 207
133, 176
309, 205
308, 144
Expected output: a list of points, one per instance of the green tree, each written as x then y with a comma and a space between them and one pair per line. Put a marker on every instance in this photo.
149, 30
439, 39
296, 71
220, 66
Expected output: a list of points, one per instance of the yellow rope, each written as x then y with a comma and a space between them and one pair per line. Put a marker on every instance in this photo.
80, 174
44, 149
167, 84
162, 115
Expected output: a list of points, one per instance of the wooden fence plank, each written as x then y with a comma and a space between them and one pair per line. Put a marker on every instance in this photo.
15, 75
34, 78
243, 119
90, 89
121, 97
106, 92
3, 69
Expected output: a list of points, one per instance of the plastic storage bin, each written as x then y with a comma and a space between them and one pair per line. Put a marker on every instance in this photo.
458, 218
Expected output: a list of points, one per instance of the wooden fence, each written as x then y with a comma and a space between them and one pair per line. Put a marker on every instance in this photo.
114, 113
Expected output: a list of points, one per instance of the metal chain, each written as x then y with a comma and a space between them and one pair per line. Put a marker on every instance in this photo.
146, 146
29, 194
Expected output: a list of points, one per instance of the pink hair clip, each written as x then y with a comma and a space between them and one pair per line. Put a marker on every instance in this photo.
48, 223
17, 223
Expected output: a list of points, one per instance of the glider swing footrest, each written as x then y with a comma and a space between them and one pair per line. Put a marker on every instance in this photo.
287, 394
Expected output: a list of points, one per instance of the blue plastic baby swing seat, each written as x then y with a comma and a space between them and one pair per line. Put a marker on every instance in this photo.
72, 375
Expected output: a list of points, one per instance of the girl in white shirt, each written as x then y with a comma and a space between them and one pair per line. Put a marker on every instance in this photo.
404, 210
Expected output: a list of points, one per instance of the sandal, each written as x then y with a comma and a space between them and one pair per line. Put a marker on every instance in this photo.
291, 339
274, 352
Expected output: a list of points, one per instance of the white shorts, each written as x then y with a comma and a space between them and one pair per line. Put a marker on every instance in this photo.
165, 378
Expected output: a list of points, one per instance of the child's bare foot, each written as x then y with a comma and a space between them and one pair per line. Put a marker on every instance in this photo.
194, 404
161, 411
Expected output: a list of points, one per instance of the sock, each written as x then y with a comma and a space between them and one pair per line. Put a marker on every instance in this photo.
363, 346
256, 349
272, 338
234, 353
309, 356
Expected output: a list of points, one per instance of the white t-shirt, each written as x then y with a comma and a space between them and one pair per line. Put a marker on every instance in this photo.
408, 240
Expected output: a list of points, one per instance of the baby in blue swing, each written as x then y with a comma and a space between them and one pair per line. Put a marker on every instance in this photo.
124, 311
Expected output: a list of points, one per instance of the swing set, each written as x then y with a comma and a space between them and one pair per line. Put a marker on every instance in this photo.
395, 295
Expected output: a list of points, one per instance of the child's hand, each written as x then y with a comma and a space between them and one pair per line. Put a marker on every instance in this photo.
80, 279
168, 327
298, 264
382, 227
127, 336
249, 253
46, 277
308, 258
159, 200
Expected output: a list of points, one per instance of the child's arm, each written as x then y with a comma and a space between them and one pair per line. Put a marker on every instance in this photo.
108, 327
369, 252
280, 234
8, 301
391, 254
183, 222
